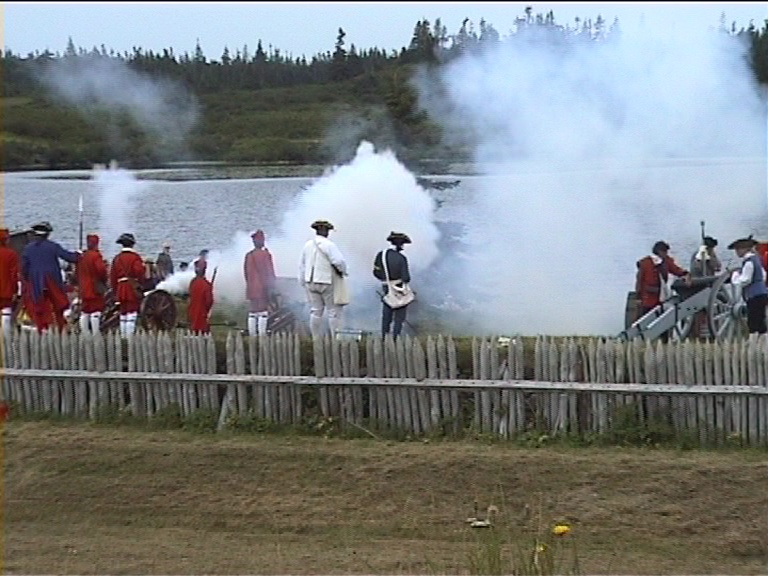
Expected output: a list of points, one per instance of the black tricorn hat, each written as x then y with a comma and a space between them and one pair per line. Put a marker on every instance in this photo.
747, 242
398, 238
42, 228
126, 239
710, 242
317, 224
660, 245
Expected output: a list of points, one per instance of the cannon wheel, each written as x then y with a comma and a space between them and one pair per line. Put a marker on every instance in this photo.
726, 312
682, 329
158, 311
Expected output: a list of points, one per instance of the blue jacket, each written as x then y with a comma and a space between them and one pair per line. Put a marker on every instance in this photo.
40, 259
757, 287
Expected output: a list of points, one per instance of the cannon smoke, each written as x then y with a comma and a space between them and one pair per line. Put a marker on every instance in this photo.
592, 153
106, 90
365, 200
118, 190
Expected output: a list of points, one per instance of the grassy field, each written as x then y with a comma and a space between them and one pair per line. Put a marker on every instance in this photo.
88, 499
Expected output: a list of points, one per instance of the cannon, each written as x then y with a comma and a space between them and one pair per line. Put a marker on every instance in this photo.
711, 298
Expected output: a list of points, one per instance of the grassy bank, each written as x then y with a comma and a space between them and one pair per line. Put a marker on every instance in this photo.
85, 499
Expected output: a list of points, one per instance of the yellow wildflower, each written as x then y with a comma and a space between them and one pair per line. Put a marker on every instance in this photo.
541, 548
561, 529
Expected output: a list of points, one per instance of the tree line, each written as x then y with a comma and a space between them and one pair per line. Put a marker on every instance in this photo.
242, 84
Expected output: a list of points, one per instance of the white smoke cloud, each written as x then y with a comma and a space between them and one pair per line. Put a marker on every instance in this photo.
365, 200
118, 191
593, 152
162, 108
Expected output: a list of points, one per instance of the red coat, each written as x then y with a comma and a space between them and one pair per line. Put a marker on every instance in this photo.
259, 273
125, 276
91, 271
9, 275
200, 304
648, 282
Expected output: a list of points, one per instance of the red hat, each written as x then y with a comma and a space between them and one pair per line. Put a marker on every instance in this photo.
258, 235
4, 235
92, 240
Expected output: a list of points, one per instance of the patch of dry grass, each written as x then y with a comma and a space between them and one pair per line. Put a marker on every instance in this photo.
94, 500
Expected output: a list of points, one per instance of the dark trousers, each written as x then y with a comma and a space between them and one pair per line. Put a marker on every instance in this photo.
388, 315
756, 314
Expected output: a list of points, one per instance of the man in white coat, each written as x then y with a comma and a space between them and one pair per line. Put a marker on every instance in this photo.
320, 260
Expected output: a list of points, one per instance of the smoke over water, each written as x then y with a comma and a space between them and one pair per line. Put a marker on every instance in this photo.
591, 152
118, 192
365, 200
96, 85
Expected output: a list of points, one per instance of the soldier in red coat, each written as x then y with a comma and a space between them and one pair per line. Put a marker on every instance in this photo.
259, 273
125, 277
652, 277
92, 279
10, 282
200, 300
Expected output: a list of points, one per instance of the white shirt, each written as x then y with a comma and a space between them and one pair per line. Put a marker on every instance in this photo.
744, 276
314, 266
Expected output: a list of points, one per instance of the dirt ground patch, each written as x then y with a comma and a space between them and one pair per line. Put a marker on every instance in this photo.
82, 499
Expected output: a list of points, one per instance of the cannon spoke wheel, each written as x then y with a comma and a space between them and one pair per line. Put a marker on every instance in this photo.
682, 329
158, 311
726, 312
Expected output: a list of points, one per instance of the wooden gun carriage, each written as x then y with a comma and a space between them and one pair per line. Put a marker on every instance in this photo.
711, 302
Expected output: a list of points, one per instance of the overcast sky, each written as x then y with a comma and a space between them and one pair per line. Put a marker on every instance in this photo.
306, 28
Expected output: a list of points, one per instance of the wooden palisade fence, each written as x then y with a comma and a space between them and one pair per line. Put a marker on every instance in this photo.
551, 385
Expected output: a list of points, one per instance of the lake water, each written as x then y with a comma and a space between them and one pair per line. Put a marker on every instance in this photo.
565, 255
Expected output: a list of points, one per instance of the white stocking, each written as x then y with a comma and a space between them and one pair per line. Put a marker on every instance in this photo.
316, 326
131, 323
252, 324
262, 321
6, 315
95, 322
85, 321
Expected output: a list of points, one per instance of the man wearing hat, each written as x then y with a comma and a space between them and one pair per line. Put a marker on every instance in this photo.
200, 300
705, 261
126, 276
259, 273
396, 271
164, 262
41, 272
320, 260
10, 284
652, 280
752, 280
92, 279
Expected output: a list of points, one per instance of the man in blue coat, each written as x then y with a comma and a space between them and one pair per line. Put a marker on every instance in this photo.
41, 272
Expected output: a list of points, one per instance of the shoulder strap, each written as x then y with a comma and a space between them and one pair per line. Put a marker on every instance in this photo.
384, 263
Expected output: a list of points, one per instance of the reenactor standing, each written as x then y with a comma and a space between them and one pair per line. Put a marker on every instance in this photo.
92, 278
259, 273
41, 273
200, 300
125, 277
752, 279
10, 284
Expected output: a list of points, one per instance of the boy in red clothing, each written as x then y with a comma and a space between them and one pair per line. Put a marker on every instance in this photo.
200, 300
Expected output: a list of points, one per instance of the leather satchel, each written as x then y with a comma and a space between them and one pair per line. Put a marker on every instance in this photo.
399, 294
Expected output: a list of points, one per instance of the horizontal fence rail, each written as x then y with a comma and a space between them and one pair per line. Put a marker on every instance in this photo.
507, 386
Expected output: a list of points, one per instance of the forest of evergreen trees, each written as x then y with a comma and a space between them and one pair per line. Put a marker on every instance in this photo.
243, 85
